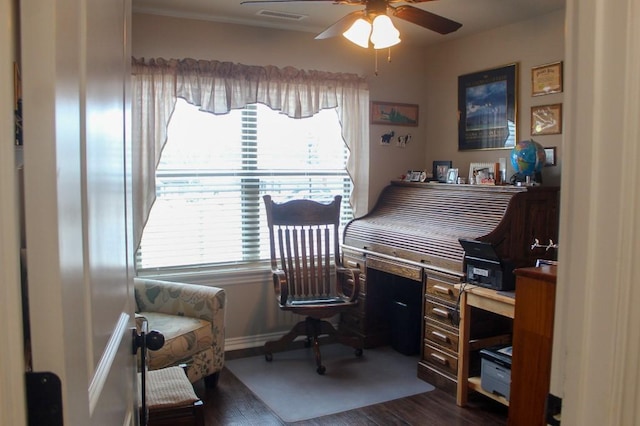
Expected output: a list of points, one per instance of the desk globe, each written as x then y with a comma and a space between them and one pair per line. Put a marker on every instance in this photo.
527, 159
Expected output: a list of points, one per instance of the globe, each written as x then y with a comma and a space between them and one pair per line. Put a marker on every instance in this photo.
527, 157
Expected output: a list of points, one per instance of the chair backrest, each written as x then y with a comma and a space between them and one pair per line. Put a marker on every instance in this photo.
304, 243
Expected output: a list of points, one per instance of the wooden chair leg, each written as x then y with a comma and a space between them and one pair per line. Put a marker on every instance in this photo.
346, 339
314, 329
300, 329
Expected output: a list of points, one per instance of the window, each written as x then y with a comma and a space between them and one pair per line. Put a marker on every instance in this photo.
214, 171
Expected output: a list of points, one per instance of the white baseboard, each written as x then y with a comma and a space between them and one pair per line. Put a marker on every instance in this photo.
245, 342
235, 343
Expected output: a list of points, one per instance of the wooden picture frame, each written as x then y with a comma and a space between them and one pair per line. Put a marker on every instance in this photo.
393, 113
487, 112
546, 79
440, 169
546, 119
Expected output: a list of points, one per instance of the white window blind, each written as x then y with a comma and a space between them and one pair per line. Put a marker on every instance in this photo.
214, 171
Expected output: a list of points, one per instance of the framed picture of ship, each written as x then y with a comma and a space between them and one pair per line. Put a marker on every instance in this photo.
392, 113
487, 113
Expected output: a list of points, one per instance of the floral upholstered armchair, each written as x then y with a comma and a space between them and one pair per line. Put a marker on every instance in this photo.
191, 318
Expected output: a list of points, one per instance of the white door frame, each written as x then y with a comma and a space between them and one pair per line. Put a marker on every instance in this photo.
12, 389
596, 360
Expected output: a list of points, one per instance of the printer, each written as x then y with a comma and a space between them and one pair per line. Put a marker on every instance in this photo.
483, 266
495, 377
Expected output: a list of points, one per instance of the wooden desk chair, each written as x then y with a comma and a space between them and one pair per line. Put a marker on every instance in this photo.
308, 276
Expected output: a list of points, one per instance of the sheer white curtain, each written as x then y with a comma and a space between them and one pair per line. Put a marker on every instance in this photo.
218, 87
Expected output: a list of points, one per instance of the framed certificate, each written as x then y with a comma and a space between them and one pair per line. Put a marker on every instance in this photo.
546, 79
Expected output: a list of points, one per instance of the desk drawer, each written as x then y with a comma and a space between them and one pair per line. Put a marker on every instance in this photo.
353, 261
441, 360
441, 313
440, 337
443, 290
396, 268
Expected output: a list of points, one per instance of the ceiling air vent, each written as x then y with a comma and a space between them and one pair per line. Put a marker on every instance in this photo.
281, 15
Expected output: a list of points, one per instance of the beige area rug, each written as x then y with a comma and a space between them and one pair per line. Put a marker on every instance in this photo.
290, 386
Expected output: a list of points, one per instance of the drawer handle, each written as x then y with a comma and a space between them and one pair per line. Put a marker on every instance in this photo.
442, 360
440, 336
441, 312
443, 290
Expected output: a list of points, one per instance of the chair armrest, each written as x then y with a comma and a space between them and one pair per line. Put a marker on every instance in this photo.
280, 286
190, 300
346, 274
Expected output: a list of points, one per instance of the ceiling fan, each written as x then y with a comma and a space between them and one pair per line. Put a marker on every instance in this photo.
372, 10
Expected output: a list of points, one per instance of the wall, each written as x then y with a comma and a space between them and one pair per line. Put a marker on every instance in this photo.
427, 77
401, 80
529, 43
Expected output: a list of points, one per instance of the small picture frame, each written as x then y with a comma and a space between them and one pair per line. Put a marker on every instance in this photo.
546, 79
483, 173
394, 113
550, 156
413, 175
440, 169
546, 119
452, 176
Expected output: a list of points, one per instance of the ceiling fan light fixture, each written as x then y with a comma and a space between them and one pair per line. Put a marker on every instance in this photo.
359, 33
384, 34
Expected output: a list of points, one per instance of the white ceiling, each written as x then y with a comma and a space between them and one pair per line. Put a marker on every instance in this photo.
474, 15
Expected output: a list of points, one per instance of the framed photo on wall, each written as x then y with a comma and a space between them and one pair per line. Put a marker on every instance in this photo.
394, 113
487, 113
550, 156
546, 119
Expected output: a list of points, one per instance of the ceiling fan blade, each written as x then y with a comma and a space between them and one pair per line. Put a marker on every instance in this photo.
426, 19
341, 26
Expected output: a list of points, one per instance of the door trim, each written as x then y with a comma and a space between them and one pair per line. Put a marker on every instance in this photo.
104, 366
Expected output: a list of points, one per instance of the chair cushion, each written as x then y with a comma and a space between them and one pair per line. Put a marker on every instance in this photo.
183, 337
169, 387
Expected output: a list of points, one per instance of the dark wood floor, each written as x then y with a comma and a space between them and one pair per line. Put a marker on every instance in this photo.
232, 403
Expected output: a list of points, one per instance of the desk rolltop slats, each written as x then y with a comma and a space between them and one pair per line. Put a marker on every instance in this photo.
423, 222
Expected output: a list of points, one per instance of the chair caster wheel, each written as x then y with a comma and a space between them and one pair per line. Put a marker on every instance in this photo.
358, 352
268, 357
320, 370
